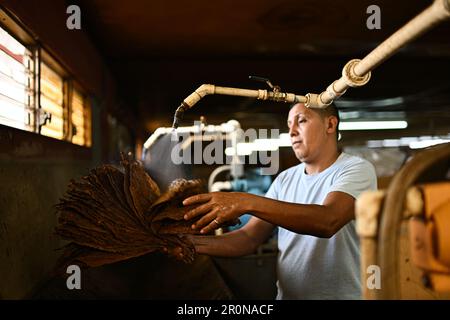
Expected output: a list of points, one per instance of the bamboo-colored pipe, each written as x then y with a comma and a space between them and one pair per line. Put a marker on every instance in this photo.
355, 73
208, 89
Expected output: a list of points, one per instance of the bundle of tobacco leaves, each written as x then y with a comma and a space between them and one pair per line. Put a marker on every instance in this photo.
113, 214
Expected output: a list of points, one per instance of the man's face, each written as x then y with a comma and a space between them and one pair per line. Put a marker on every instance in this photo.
308, 132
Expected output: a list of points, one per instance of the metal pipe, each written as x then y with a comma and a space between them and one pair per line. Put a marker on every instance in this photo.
208, 89
430, 17
355, 73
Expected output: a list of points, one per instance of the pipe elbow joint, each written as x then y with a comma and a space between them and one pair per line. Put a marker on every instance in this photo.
205, 89
314, 101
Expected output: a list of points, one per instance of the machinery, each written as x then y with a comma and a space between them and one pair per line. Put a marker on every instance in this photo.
403, 231
158, 158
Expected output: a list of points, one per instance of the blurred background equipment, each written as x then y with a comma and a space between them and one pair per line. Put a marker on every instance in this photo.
235, 175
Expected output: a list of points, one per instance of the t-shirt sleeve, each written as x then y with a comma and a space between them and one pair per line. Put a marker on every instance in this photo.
274, 188
355, 179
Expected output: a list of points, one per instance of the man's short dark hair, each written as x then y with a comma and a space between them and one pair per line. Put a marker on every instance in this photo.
329, 111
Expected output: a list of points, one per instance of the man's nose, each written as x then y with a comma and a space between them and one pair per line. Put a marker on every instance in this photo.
293, 131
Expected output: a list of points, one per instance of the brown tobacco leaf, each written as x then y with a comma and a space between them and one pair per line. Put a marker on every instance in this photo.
112, 215
140, 190
168, 211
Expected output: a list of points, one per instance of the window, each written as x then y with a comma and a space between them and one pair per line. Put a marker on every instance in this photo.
16, 83
37, 93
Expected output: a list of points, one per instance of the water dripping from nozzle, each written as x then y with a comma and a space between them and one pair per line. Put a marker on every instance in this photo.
174, 134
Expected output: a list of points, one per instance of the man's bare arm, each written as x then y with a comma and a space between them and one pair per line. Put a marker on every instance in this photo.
317, 220
240, 242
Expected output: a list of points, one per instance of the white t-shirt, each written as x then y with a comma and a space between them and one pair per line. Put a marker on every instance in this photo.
309, 267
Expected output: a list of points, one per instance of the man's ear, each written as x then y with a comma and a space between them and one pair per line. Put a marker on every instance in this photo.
331, 124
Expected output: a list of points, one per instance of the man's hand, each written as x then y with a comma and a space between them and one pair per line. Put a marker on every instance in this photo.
215, 209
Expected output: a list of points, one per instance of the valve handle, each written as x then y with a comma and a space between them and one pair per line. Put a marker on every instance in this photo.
267, 81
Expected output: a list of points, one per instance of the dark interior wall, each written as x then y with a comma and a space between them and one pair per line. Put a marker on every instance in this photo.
35, 170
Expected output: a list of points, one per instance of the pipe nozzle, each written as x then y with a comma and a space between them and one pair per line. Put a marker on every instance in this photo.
179, 114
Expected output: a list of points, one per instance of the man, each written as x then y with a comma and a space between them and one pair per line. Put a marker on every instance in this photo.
313, 205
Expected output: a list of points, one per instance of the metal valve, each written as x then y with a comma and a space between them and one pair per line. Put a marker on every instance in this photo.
267, 81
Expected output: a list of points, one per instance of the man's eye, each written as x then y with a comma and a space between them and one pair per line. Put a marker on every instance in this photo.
301, 120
